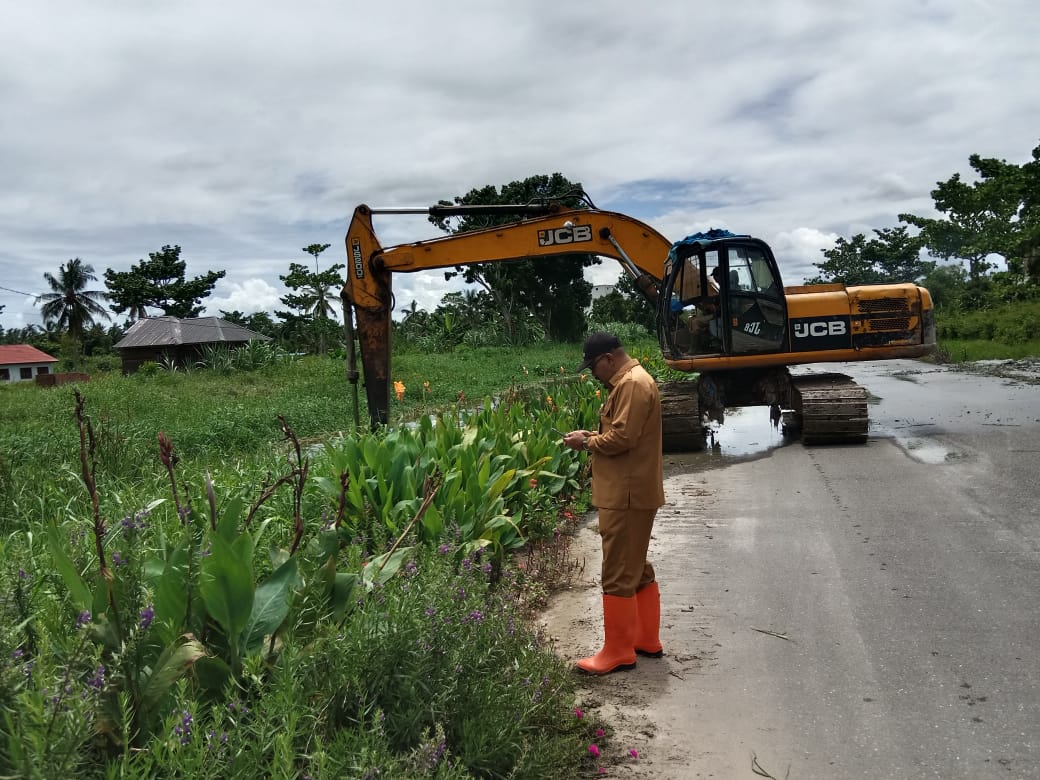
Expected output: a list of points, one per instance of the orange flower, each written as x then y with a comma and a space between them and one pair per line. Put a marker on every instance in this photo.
399, 389
426, 387
597, 394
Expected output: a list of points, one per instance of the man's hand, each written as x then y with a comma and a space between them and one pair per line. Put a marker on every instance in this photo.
576, 439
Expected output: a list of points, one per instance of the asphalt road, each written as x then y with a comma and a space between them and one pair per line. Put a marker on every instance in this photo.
861, 611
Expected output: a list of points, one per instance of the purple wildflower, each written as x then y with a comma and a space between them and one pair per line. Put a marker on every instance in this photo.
117, 559
83, 619
183, 729
135, 522
443, 549
147, 616
97, 682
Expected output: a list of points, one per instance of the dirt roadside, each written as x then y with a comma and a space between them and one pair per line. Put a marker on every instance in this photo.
628, 702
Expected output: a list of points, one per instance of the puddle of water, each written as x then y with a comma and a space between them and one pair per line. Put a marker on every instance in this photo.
925, 451
747, 432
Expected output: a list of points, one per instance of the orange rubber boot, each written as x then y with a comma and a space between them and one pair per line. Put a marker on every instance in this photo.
648, 640
620, 615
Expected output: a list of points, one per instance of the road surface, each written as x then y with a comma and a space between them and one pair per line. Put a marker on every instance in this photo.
860, 611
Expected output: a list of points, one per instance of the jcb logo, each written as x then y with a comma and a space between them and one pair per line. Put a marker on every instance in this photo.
355, 256
820, 329
565, 235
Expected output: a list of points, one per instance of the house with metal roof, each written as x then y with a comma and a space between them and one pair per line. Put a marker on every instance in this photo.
20, 363
178, 341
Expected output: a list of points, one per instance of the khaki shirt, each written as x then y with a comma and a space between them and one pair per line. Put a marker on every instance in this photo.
627, 465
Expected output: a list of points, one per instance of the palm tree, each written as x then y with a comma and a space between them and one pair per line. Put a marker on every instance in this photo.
321, 308
69, 306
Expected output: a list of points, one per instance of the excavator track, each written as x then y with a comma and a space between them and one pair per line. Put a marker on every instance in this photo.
683, 429
828, 408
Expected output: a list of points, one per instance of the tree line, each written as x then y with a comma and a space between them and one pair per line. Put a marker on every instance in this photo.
73, 313
995, 216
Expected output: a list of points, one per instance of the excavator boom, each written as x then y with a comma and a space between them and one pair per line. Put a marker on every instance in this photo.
552, 231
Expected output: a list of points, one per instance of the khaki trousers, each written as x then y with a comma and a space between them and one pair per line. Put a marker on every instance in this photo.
625, 534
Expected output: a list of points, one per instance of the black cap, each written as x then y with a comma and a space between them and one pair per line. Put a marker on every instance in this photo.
598, 344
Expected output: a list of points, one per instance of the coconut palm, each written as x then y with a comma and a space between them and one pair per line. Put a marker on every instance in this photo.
70, 306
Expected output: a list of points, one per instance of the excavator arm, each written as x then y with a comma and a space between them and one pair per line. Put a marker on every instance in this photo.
541, 230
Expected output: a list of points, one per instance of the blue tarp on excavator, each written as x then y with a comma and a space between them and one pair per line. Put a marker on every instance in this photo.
704, 238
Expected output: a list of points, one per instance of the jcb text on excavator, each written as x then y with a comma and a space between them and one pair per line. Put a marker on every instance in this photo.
722, 311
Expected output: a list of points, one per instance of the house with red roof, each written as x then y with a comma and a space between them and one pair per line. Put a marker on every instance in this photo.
20, 362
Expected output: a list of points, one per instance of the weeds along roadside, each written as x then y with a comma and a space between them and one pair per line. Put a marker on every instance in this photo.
298, 612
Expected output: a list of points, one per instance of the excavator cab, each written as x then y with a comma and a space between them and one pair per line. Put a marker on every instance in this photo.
722, 295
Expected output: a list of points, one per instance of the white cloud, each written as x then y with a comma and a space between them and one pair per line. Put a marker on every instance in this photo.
248, 297
797, 250
244, 133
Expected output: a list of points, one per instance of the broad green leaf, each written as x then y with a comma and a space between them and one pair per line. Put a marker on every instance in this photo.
78, 589
495, 489
433, 523
175, 660
226, 582
171, 592
212, 673
341, 597
227, 524
380, 569
270, 605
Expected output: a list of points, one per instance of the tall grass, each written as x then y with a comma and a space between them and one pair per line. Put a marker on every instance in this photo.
263, 607
1010, 330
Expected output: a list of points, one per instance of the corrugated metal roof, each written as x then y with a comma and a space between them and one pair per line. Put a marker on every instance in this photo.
13, 354
173, 331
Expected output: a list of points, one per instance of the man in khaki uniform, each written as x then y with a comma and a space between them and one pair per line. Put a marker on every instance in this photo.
628, 489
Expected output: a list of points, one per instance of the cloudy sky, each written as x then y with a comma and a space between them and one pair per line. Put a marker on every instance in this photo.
245, 131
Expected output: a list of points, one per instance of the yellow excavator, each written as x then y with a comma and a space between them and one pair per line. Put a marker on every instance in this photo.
722, 312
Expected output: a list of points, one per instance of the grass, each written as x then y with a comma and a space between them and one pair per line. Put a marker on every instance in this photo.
968, 350
322, 700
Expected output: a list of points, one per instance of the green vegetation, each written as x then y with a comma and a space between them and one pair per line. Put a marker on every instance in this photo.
159, 283
1010, 330
195, 587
